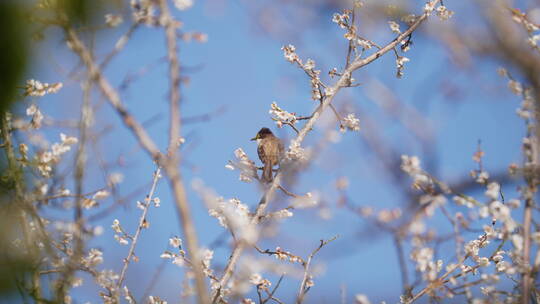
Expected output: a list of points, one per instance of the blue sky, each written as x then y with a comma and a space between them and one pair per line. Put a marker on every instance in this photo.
241, 70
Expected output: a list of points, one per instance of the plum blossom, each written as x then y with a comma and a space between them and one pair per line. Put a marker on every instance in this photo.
37, 88
281, 116
289, 52
247, 168
350, 122
183, 5
394, 26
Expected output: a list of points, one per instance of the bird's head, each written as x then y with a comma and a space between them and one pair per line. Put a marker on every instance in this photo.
263, 133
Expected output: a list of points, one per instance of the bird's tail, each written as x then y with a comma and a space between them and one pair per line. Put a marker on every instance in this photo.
267, 175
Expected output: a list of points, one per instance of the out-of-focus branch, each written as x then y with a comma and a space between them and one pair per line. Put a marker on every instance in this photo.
146, 142
171, 165
174, 76
112, 96
406, 288
119, 45
80, 162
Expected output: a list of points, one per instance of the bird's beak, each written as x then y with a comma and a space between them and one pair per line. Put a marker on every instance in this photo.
256, 137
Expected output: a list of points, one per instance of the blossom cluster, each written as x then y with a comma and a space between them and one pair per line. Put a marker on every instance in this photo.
47, 159
37, 88
247, 168
289, 52
296, 152
231, 214
281, 116
411, 166
350, 122
532, 28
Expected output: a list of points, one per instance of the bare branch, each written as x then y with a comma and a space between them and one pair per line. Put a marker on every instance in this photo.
142, 222
304, 286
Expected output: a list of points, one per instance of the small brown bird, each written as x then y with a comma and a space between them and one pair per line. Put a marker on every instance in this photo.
270, 150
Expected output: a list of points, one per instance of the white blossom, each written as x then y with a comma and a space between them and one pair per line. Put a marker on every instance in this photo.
178, 261
482, 177
363, 43
89, 203
492, 191
94, 258
522, 113
499, 211
141, 205
290, 54
120, 239
443, 13
310, 64
157, 202
183, 4
535, 236
101, 194
116, 226
463, 201
37, 88
341, 20
350, 122
361, 299
247, 168
283, 213
498, 256
155, 300
517, 241
411, 165
281, 116
483, 262
116, 178
231, 214
113, 20
505, 267
175, 242
206, 259
515, 87
329, 91
296, 152
255, 279
400, 63
429, 7
37, 116
533, 40
394, 26
308, 200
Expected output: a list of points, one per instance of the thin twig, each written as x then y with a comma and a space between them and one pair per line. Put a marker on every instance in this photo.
351, 46
142, 221
402, 265
271, 294
288, 192
303, 288
119, 45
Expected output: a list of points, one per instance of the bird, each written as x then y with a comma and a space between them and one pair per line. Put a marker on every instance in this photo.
270, 151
